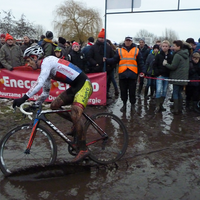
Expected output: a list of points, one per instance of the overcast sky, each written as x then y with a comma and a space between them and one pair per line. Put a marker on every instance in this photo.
185, 24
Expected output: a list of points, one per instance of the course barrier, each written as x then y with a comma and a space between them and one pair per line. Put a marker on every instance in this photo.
14, 84
168, 79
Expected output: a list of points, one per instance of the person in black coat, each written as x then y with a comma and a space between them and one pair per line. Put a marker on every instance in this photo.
95, 57
96, 54
76, 57
192, 89
86, 50
145, 50
162, 72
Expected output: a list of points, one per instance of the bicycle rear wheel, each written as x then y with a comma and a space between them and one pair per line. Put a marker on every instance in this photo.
106, 150
14, 144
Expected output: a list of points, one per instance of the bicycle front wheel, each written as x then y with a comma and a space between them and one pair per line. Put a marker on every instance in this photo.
112, 147
13, 145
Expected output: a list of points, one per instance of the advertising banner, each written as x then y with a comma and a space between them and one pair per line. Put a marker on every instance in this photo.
14, 84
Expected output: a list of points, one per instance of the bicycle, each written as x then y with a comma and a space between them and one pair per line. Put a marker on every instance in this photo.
32, 144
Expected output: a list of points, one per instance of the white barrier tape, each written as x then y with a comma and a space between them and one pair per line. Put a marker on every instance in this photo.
168, 79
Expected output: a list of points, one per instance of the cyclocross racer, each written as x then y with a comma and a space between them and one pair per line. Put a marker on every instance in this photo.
77, 95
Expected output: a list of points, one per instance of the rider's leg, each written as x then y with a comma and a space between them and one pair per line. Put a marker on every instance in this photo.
62, 100
77, 119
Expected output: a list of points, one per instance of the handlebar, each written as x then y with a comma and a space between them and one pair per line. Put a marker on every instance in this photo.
24, 112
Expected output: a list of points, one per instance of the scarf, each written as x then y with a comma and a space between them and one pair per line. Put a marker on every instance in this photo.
90, 44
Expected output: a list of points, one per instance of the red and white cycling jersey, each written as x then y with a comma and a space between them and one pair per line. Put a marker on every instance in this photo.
57, 69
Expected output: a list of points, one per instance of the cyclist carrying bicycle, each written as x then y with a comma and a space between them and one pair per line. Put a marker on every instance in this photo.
77, 95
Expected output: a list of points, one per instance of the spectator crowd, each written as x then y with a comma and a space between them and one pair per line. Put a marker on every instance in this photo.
142, 70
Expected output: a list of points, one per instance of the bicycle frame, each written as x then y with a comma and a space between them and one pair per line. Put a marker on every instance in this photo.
40, 115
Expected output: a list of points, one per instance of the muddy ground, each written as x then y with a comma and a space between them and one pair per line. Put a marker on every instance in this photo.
162, 161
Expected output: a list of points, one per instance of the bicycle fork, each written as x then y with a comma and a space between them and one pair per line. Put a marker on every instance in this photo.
32, 136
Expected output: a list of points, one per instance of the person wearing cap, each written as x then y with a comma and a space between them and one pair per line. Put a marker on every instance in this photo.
145, 50
150, 72
11, 54
76, 57
2, 40
131, 64
85, 51
191, 42
58, 53
47, 45
179, 70
193, 88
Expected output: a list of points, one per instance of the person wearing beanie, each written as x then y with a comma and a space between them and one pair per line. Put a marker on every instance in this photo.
101, 33
61, 44
96, 54
76, 57
2, 40
85, 51
150, 72
47, 44
11, 54
58, 53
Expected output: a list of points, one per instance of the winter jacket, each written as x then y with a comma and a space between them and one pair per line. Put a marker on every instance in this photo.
159, 68
145, 52
128, 74
149, 64
1, 45
64, 51
96, 54
179, 68
194, 73
11, 56
197, 49
77, 58
25, 46
85, 51
48, 47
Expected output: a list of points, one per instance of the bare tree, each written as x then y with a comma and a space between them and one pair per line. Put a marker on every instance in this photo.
40, 30
169, 35
6, 23
18, 28
75, 21
145, 34
23, 27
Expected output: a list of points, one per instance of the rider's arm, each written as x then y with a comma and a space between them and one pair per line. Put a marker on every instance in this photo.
43, 77
45, 92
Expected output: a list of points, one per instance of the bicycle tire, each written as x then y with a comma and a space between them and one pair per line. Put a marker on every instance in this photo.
13, 145
116, 144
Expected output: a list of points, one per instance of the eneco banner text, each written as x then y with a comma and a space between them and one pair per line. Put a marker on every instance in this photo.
14, 84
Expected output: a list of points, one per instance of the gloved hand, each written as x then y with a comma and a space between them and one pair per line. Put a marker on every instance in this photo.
18, 102
165, 62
